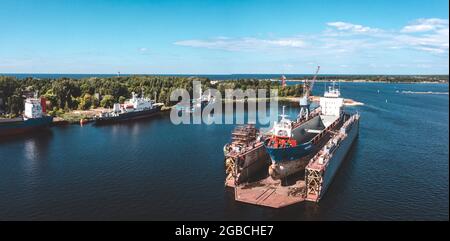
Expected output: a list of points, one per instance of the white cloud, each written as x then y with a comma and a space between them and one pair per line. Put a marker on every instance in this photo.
424, 25
355, 28
243, 44
343, 39
436, 42
288, 66
143, 50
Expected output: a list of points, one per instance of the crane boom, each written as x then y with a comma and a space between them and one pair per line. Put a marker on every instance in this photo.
304, 100
311, 85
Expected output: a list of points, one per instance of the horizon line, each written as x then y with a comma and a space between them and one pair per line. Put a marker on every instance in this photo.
156, 74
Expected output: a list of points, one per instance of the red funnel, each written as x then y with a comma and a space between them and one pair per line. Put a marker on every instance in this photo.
44, 104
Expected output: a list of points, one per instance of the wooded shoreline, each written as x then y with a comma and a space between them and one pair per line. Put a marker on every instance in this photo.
66, 95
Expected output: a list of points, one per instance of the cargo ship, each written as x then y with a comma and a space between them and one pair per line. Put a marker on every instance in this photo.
33, 118
133, 109
245, 156
291, 145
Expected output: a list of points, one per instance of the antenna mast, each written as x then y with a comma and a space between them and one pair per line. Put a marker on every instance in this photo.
311, 85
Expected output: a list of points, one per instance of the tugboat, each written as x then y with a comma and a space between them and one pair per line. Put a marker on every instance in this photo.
34, 117
135, 108
245, 155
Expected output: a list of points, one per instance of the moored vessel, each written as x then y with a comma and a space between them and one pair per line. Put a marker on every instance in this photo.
135, 108
34, 117
195, 105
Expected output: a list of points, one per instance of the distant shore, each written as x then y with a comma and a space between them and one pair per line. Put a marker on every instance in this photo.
347, 102
375, 81
375, 78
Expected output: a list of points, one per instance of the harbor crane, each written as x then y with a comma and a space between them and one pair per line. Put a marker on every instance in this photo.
304, 100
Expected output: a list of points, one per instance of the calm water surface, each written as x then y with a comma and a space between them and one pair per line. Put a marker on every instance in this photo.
154, 170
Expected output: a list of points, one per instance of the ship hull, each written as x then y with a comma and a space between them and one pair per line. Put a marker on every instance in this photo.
291, 160
305, 146
278, 155
20, 126
285, 169
127, 116
339, 156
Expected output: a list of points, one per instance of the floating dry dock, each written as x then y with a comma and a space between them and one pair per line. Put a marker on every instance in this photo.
319, 173
311, 148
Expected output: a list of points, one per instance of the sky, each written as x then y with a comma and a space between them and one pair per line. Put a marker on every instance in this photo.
224, 37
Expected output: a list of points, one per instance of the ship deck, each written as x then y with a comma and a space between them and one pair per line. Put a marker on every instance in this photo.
268, 192
245, 151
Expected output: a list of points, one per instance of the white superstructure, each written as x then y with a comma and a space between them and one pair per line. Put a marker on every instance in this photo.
134, 104
283, 128
33, 108
331, 103
139, 104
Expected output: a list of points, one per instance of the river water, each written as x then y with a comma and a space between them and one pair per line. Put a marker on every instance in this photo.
151, 169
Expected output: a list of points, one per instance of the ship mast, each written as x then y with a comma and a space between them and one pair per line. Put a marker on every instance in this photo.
283, 115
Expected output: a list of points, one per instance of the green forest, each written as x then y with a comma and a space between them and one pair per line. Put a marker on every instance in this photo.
66, 94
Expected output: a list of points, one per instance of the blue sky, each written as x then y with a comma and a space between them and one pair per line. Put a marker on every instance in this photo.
224, 37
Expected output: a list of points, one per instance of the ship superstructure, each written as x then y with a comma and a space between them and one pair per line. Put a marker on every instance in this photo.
33, 117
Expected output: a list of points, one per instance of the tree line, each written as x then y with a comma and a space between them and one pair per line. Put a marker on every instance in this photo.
66, 94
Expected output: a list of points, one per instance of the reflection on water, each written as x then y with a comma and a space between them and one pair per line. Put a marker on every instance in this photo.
36, 148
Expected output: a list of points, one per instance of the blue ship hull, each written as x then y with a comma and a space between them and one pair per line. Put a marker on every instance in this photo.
290, 153
19, 125
303, 138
